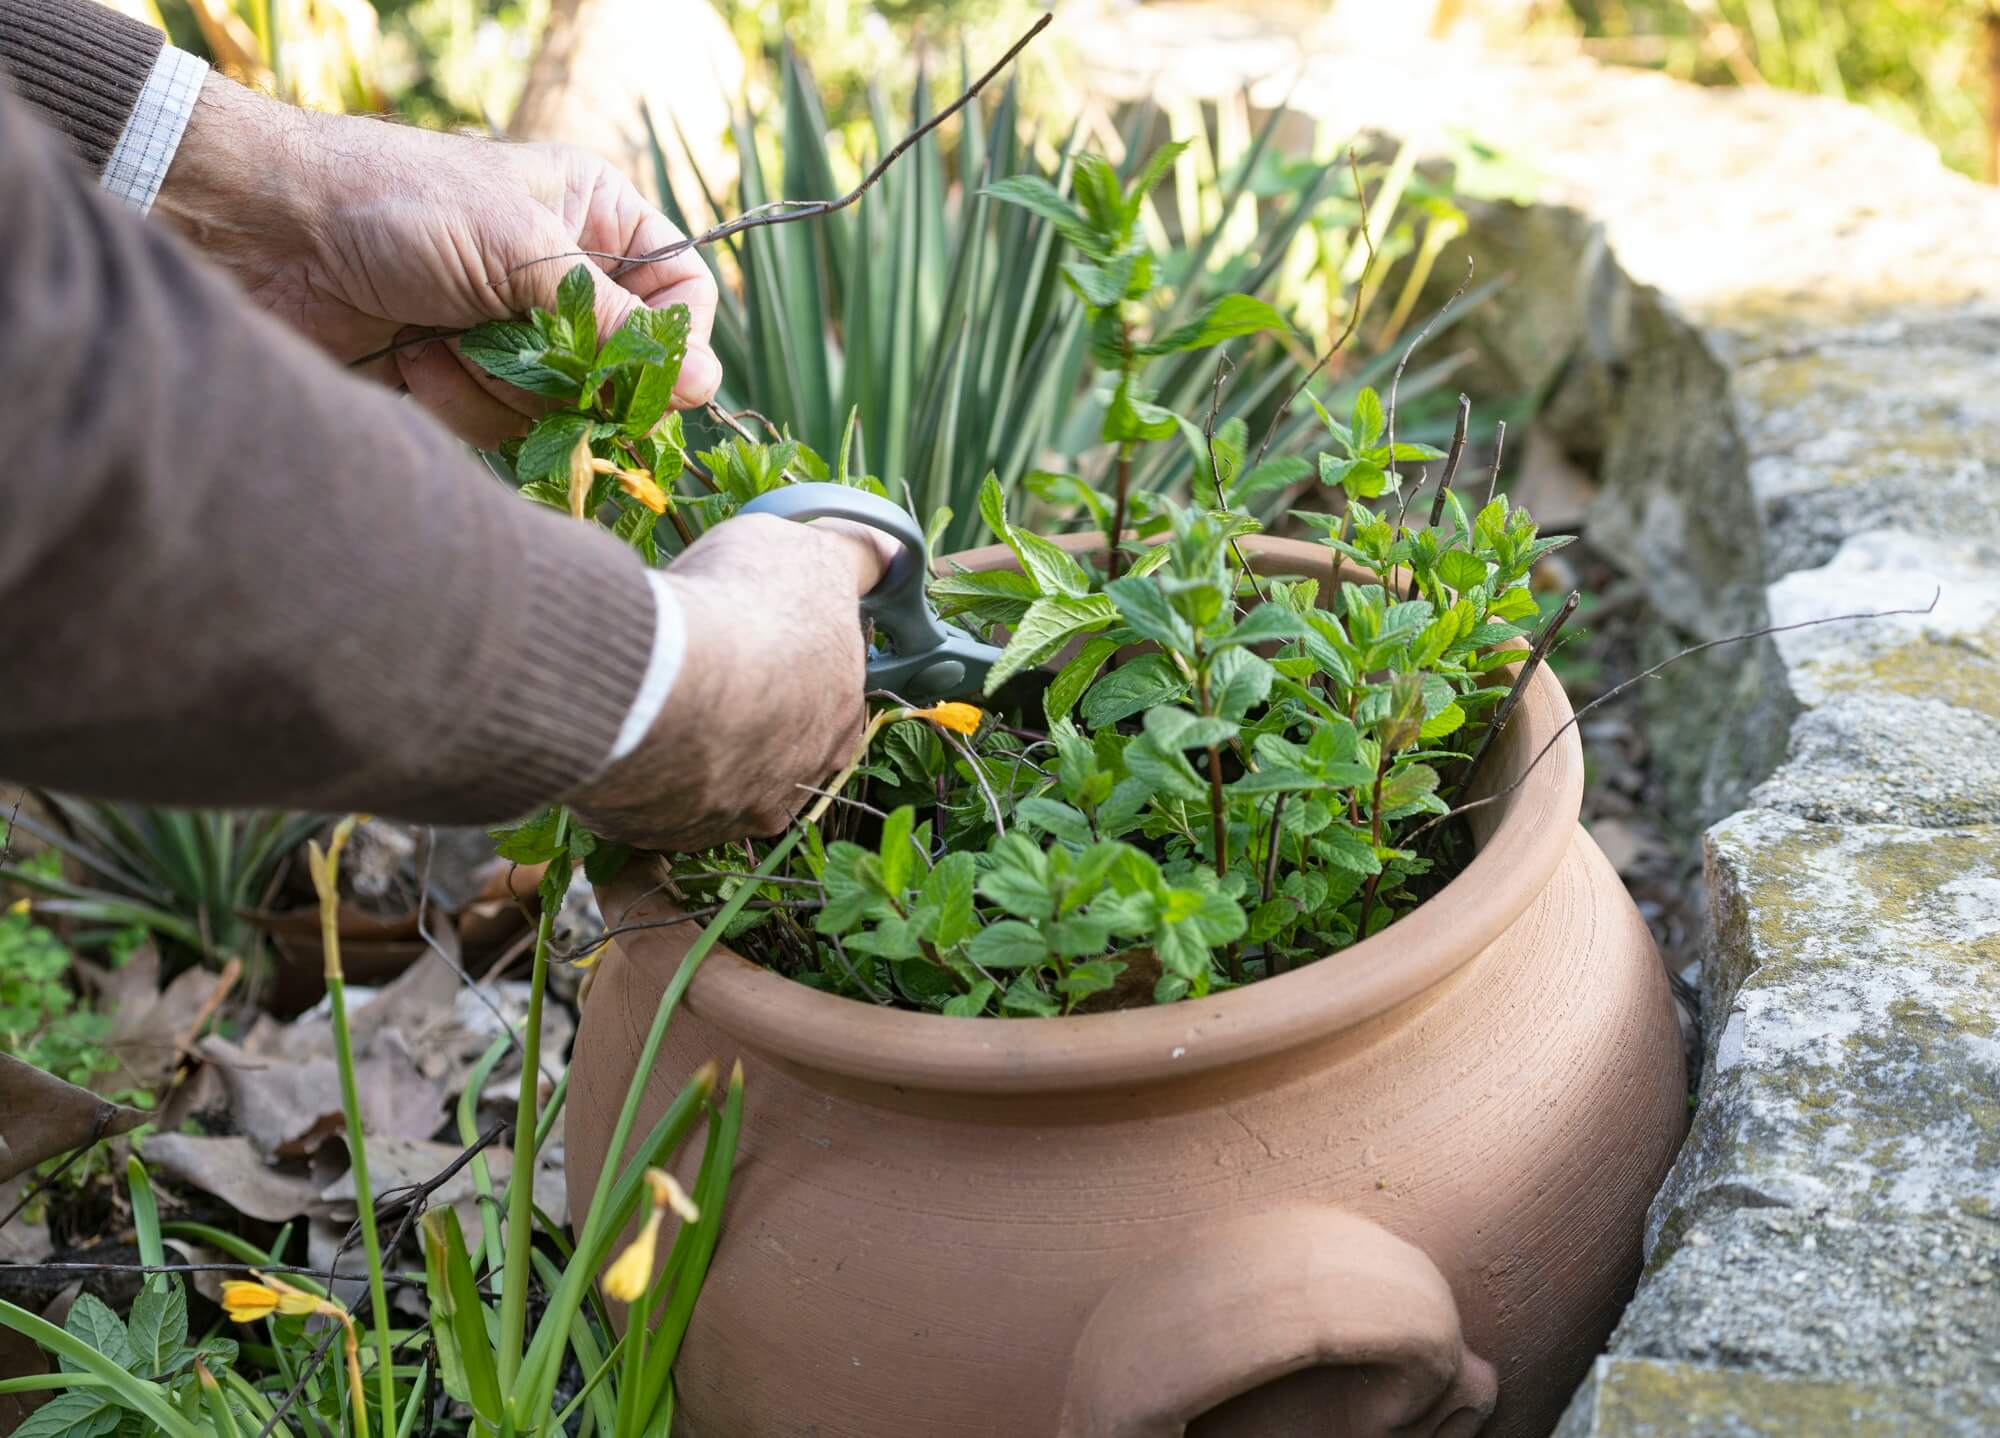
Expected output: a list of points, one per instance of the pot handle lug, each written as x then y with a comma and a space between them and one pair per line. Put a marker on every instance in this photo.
1300, 1288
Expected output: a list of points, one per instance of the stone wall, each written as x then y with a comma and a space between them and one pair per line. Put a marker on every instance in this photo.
1774, 322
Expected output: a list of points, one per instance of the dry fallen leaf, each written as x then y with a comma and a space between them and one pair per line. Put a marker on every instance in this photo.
232, 1170
288, 1108
41, 1117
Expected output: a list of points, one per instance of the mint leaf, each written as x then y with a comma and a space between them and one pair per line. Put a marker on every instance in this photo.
1049, 624
513, 351
94, 1322
1007, 944
545, 452
576, 302
653, 395
1226, 319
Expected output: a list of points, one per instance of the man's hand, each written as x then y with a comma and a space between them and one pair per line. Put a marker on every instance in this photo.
769, 696
357, 231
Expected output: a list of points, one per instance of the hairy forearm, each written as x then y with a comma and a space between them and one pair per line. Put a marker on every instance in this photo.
231, 573
236, 189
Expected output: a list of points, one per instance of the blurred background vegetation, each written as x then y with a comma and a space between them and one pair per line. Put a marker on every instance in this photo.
1924, 64
1921, 63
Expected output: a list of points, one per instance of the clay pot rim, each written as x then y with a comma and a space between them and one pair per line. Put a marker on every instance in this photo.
806, 1027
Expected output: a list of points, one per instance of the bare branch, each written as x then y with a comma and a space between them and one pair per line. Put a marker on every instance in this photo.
1396, 380
1353, 315
1536, 655
1499, 448
1451, 459
775, 212
1612, 693
1224, 368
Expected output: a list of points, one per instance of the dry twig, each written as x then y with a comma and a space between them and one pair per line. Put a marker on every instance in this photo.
774, 212
1612, 693
1353, 315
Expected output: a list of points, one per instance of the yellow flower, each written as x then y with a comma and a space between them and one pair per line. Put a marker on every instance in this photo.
589, 960
626, 1279
959, 718
19, 906
246, 1302
642, 488
580, 476
667, 1193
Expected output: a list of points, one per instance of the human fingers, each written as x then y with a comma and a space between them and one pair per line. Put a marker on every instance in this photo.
437, 378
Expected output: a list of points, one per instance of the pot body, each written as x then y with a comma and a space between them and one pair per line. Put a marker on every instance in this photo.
1400, 1190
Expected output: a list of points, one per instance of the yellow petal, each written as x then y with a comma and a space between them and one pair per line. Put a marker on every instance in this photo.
642, 488
667, 1193
627, 1278
590, 959
247, 1302
19, 906
297, 1305
959, 718
579, 476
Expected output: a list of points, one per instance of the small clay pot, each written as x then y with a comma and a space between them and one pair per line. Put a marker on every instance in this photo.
1398, 1191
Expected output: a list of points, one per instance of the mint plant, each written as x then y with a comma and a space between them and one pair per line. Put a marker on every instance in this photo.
1114, 274
1226, 774
614, 449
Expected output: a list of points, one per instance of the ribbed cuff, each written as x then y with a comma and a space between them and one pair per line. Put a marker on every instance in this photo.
80, 65
587, 625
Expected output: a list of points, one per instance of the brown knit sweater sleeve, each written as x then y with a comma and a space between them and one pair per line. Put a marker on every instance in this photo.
81, 65
230, 573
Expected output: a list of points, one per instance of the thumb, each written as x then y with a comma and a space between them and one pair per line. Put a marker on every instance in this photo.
701, 373
539, 281
868, 550
615, 303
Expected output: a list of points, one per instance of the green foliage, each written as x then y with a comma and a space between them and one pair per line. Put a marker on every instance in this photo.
1226, 804
1920, 63
42, 1021
944, 315
934, 324
613, 449
115, 1361
187, 876
1235, 799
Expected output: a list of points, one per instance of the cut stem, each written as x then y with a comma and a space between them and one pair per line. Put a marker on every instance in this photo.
1116, 562
521, 1181
325, 869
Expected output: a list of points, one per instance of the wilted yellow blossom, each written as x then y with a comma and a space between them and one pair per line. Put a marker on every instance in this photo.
257, 1297
247, 1300
642, 488
668, 1193
580, 476
627, 1278
959, 718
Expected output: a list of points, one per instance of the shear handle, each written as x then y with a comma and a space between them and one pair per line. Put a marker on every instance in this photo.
896, 604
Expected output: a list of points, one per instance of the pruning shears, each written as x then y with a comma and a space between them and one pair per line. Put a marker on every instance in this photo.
924, 659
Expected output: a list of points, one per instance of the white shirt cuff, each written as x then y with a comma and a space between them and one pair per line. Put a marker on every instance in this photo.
662, 668
153, 132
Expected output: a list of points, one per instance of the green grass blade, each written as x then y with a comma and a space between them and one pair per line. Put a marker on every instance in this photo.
145, 1214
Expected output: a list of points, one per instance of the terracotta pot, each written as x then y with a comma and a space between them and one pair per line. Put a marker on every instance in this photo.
1351, 1199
